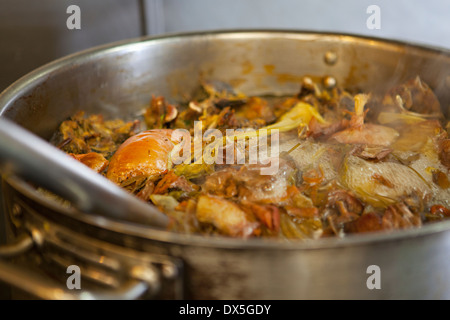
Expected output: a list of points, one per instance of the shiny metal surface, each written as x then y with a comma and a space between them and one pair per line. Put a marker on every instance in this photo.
21, 246
35, 160
44, 288
120, 79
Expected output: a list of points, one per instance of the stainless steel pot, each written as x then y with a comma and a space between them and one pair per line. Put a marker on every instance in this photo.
120, 259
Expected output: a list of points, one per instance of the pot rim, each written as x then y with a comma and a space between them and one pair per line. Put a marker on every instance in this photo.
41, 74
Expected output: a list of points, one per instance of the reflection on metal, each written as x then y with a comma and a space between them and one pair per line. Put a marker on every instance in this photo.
45, 288
22, 244
330, 58
107, 271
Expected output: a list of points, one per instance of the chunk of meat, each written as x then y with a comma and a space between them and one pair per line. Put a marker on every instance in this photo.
247, 183
395, 217
399, 216
146, 191
311, 212
269, 215
172, 181
319, 130
415, 96
345, 203
341, 208
222, 183
368, 152
368, 222
372, 134
225, 215
93, 160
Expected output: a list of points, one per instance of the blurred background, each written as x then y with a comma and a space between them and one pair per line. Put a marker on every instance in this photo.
33, 33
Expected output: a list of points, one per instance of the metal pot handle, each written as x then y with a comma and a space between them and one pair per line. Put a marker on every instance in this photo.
44, 288
28, 156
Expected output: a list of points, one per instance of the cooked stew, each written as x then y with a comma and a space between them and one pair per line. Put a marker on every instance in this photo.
323, 162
